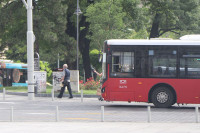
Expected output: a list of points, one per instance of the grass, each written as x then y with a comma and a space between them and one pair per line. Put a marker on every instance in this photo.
48, 90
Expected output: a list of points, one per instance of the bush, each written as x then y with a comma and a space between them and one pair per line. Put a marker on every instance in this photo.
89, 85
44, 66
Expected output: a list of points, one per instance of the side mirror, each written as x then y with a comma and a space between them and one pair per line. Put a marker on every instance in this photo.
100, 57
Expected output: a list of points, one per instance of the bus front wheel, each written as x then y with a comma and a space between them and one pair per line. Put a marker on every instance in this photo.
162, 97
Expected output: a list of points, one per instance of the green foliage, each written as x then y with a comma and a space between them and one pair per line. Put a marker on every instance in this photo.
106, 21
55, 26
173, 16
141, 34
13, 29
51, 22
94, 59
137, 17
49, 25
44, 66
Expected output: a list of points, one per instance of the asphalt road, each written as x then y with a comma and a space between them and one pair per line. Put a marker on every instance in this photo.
39, 116
43, 109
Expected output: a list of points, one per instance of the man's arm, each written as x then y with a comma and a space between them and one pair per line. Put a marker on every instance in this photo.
62, 78
99, 74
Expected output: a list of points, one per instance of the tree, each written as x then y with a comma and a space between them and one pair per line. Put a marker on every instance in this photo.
12, 29
49, 28
173, 16
136, 19
84, 43
106, 22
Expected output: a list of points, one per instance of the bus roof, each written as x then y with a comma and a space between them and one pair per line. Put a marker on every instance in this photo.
151, 42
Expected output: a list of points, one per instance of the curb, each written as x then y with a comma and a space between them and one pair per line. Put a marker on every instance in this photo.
47, 95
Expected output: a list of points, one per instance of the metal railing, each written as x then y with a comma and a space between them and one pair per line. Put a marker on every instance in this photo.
57, 116
104, 113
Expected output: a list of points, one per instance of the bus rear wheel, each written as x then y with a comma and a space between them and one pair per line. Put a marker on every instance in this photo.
162, 97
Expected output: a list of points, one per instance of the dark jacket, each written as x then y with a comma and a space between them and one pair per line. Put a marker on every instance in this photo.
67, 75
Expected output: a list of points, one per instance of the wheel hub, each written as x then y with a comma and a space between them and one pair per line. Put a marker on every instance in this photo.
162, 97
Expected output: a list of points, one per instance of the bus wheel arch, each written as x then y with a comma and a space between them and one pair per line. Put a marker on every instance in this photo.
166, 87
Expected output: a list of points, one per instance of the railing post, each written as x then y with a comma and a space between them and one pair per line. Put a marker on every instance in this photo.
102, 113
81, 95
57, 114
52, 94
4, 94
149, 113
197, 114
11, 114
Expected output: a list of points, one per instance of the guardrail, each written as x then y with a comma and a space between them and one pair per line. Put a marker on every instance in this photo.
103, 110
102, 118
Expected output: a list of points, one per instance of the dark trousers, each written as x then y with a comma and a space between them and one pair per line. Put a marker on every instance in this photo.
63, 90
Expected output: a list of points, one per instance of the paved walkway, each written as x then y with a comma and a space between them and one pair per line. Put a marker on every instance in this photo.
99, 127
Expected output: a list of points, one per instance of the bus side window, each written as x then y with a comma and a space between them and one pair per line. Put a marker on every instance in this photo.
167, 72
159, 70
190, 66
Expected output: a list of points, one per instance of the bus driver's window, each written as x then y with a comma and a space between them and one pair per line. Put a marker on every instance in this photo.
116, 66
122, 64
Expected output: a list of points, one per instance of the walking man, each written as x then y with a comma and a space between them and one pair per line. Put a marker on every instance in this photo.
66, 82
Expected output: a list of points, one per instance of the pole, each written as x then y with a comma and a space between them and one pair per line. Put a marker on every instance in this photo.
197, 114
84, 76
52, 94
77, 50
58, 61
102, 113
4, 94
30, 51
11, 114
57, 114
81, 95
149, 113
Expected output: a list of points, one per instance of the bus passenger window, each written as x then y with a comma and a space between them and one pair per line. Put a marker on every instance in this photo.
190, 65
162, 63
167, 72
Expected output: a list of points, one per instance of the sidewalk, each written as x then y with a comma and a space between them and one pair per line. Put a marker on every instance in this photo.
99, 127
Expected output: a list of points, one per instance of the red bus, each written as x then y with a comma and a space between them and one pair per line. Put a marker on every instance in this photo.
162, 72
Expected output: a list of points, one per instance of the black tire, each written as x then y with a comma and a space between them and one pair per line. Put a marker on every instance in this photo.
162, 97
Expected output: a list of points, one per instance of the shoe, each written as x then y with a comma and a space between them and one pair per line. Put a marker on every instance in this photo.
70, 97
59, 97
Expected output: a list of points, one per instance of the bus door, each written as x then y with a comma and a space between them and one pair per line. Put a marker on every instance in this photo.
121, 74
190, 76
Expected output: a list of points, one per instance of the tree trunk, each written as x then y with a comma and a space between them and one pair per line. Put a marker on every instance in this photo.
86, 61
155, 27
84, 43
85, 47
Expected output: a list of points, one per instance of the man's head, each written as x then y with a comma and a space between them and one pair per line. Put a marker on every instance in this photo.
65, 66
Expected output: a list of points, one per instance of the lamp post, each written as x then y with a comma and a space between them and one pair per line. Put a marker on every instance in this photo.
58, 61
77, 12
30, 50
